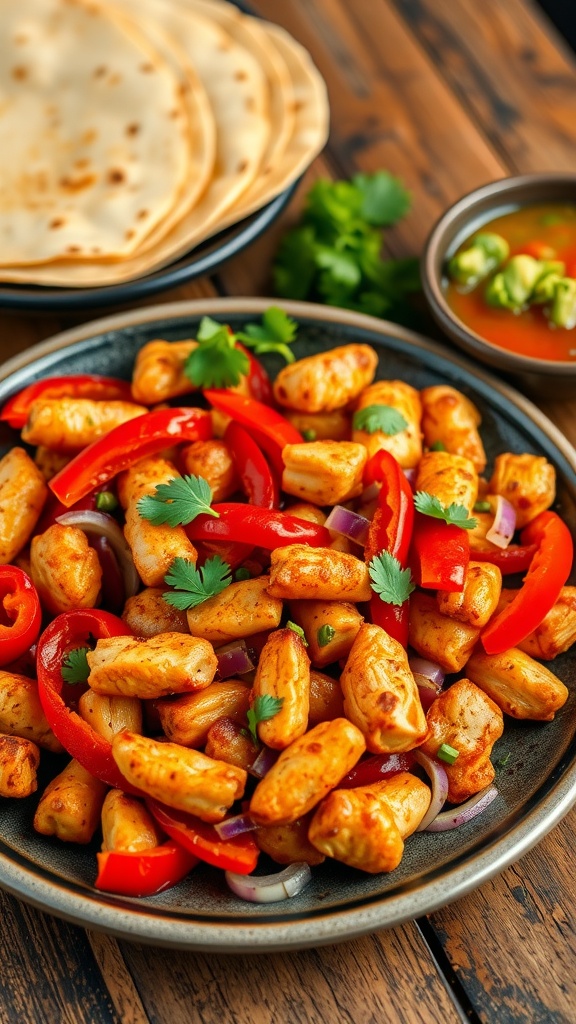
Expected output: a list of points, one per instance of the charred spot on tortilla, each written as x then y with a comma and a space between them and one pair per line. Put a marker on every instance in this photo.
132, 129
20, 73
115, 176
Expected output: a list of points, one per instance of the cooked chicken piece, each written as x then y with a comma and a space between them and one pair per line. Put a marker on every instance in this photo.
19, 760
311, 513
154, 548
451, 419
557, 631
21, 712
69, 424
242, 609
289, 844
324, 472
230, 742
148, 614
283, 673
406, 445
70, 806
357, 827
127, 666
527, 481
212, 460
321, 426
437, 637
299, 572
181, 778
22, 495
188, 720
127, 826
451, 478
328, 380
408, 798
330, 627
520, 686
109, 715
306, 771
467, 720
159, 371
380, 695
50, 462
478, 600
65, 569
326, 699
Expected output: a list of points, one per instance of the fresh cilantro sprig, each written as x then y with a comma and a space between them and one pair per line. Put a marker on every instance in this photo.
75, 668
334, 254
178, 502
390, 581
453, 514
192, 585
379, 417
276, 332
263, 709
217, 362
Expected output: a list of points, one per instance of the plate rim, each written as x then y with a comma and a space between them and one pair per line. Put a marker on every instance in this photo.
141, 924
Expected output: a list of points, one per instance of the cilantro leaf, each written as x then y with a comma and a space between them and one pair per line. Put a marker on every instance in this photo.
178, 502
325, 634
264, 708
455, 515
276, 332
193, 586
384, 198
75, 668
390, 581
379, 417
216, 362
294, 267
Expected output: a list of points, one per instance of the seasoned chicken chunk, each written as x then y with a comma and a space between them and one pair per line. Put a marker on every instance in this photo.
380, 694
70, 806
357, 827
22, 495
70, 424
289, 844
328, 380
212, 460
466, 719
109, 715
557, 631
451, 419
300, 572
65, 569
127, 666
408, 798
188, 719
148, 614
330, 627
159, 371
406, 445
324, 472
19, 760
438, 637
527, 481
451, 478
178, 777
321, 426
283, 673
240, 610
326, 699
127, 826
476, 603
21, 712
228, 741
306, 771
520, 686
50, 462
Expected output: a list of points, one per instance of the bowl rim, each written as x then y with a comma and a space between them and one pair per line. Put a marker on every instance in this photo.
434, 248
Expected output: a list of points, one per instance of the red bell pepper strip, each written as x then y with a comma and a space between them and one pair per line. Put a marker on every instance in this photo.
21, 604
144, 873
514, 558
229, 551
271, 430
238, 854
546, 576
264, 528
126, 444
375, 768
258, 380
85, 385
65, 632
439, 554
393, 618
254, 472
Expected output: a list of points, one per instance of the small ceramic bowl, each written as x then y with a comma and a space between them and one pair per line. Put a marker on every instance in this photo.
462, 219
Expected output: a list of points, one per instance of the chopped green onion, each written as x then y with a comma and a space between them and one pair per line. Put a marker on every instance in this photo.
309, 435
482, 506
298, 630
325, 635
242, 574
447, 753
438, 446
106, 501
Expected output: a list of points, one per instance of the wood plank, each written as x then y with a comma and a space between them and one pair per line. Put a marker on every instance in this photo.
48, 970
394, 981
119, 982
510, 69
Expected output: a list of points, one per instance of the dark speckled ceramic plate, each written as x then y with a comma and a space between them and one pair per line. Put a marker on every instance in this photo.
537, 785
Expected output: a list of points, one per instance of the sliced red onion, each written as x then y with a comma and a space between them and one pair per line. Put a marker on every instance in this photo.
263, 763
430, 669
427, 691
349, 524
100, 524
504, 525
113, 593
233, 659
375, 768
465, 812
235, 826
270, 888
437, 775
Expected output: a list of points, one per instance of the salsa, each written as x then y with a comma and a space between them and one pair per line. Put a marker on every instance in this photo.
545, 231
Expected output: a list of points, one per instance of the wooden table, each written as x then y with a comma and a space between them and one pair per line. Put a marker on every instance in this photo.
448, 96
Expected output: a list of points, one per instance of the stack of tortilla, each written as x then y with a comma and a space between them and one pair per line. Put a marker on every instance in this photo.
133, 130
